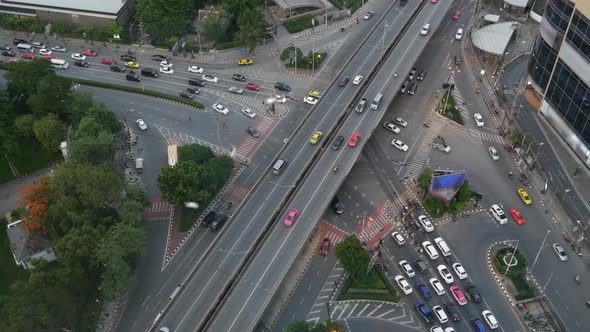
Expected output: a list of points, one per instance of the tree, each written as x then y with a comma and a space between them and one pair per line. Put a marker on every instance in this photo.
185, 182
190, 45
425, 179
24, 125
163, 19
105, 118
221, 168
88, 33
195, 152
251, 26
50, 132
34, 200
212, 28
52, 96
8, 137
23, 78
57, 28
353, 257
79, 104
464, 193
94, 150
38, 27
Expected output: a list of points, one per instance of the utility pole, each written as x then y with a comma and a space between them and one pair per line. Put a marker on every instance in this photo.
539, 252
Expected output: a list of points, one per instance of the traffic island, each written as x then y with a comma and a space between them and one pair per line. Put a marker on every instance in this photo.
373, 286
511, 265
448, 108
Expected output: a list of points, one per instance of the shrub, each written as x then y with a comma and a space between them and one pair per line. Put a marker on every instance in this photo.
434, 206
298, 24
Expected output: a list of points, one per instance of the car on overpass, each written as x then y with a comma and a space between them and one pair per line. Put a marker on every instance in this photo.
354, 139
315, 138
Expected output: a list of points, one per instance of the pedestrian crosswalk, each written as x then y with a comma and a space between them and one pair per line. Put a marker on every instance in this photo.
486, 136
249, 144
236, 193
374, 227
459, 102
174, 137
159, 209
326, 295
399, 203
421, 155
335, 234
393, 312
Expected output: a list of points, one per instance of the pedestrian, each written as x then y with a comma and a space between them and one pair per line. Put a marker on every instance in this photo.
189, 118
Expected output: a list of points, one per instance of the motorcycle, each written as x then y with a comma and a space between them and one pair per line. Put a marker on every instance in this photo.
342, 29
578, 280
336, 168
510, 175
426, 124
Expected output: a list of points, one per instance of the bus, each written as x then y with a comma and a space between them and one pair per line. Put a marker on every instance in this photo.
172, 155
24, 47
60, 64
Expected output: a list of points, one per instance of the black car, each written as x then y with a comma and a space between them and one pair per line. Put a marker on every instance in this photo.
196, 81
252, 131
412, 89
219, 220
238, 77
404, 87
421, 75
337, 205
343, 81
126, 57
420, 266
17, 41
81, 63
452, 310
208, 219
159, 57
8, 53
192, 91
4, 47
473, 292
282, 87
412, 73
337, 142
186, 95
458, 60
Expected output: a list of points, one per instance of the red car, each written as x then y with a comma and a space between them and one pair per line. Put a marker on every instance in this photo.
49, 57
28, 55
356, 137
343, 81
291, 217
459, 295
325, 248
457, 15
517, 216
89, 53
108, 61
253, 87
13, 60
433, 1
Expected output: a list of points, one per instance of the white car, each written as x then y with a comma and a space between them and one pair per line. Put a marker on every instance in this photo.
249, 113
460, 271
369, 14
459, 34
399, 144
437, 328
398, 238
391, 127
425, 29
220, 109
210, 78
403, 284
425, 223
437, 286
235, 90
280, 99
166, 64
357, 79
141, 124
445, 274
195, 69
59, 48
440, 314
494, 153
558, 249
478, 120
407, 268
449, 329
310, 100
45, 51
78, 56
167, 70
400, 122
490, 319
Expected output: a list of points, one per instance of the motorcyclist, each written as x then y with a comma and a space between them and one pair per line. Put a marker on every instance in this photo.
336, 168
395, 74
510, 175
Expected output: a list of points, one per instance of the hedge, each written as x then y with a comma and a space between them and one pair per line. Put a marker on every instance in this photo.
298, 24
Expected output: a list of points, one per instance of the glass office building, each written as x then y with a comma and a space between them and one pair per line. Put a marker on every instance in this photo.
560, 71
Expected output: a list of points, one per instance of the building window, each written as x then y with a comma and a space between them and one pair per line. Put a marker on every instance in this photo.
541, 63
558, 12
579, 34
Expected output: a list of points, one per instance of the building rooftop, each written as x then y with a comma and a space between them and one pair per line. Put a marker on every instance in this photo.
25, 245
517, 3
92, 6
291, 4
494, 38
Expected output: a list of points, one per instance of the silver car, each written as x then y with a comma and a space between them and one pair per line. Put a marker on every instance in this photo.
558, 249
236, 90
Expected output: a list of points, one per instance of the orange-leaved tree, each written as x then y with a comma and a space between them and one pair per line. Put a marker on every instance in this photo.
33, 201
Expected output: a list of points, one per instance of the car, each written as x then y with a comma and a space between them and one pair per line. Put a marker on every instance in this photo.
127, 57
421, 75
430, 250
325, 247
398, 238
159, 57
490, 319
13, 60
253, 87
460, 271
343, 81
167, 70
369, 14
195, 69
357, 79
404, 87
423, 290
196, 81
473, 292
400, 122
420, 266
314, 93
458, 60
478, 325
89, 53
209, 218
517, 216
108, 61
280, 99
253, 132
192, 91
310, 100
220, 109
399, 145
186, 95
445, 274
424, 311
407, 268
391, 127
210, 78
425, 223
457, 15
81, 63
412, 89
8, 53
28, 55
440, 314
459, 34
478, 120
291, 217
558, 249
425, 29
166, 63
458, 295
452, 311
403, 284
437, 286
245, 62
494, 153
435, 328
433, 1
238, 77
235, 90
59, 48
131, 64
5, 47
360, 107
337, 142
282, 87
315, 138
248, 112
412, 73
38, 45
524, 196
45, 51
354, 139
141, 124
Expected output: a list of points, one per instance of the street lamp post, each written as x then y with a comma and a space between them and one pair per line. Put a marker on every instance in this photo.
539, 252
511, 258
383, 38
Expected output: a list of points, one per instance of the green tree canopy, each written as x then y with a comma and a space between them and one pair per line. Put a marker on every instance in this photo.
251, 26
23, 78
185, 182
163, 19
105, 118
93, 149
195, 152
425, 179
353, 257
50, 132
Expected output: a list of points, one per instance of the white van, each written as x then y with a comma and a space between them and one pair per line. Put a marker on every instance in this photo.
24, 47
139, 165
277, 168
498, 214
375, 103
442, 245
430, 250
60, 64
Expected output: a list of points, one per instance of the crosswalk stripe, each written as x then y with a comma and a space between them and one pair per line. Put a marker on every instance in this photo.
365, 308
372, 312
386, 313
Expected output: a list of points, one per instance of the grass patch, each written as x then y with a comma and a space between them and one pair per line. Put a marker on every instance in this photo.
226, 45
188, 217
30, 158
11, 274
449, 108
298, 24
374, 280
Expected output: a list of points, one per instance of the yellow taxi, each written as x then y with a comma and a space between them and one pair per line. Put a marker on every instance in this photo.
245, 62
315, 94
525, 196
316, 137
131, 64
